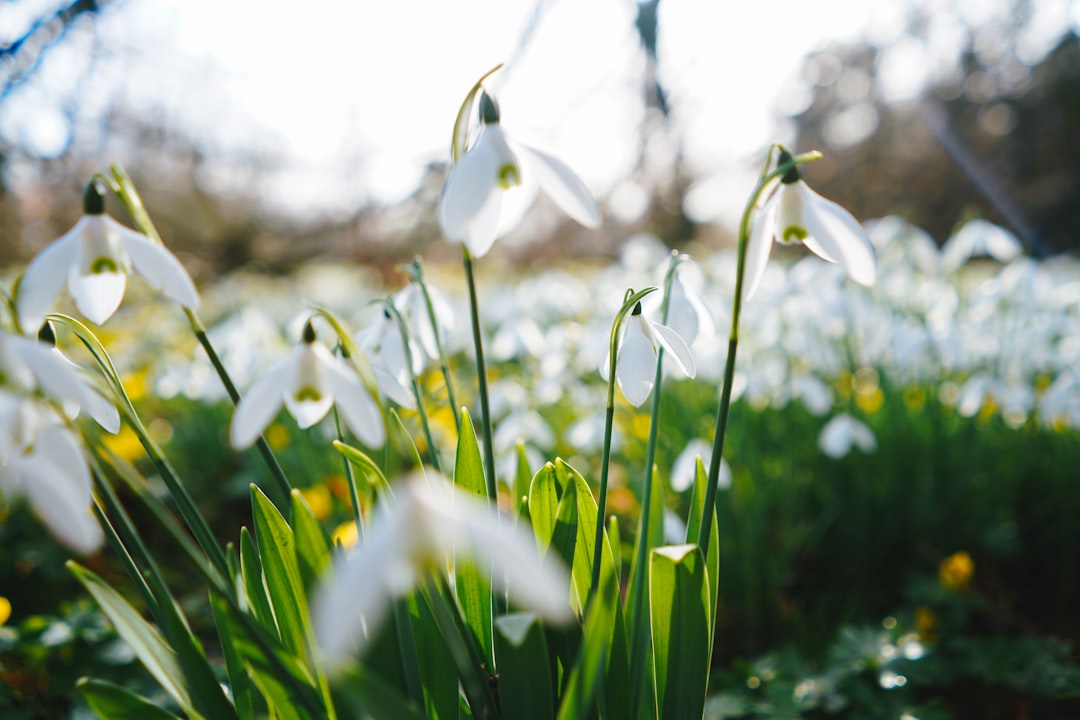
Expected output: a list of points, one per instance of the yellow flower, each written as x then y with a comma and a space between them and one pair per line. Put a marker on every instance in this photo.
346, 534
955, 572
926, 623
5, 609
319, 500
125, 444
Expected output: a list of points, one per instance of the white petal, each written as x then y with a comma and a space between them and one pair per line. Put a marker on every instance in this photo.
840, 235
563, 186
97, 296
635, 367
835, 438
758, 248
392, 388
356, 406
57, 486
676, 347
469, 187
162, 270
687, 314
484, 228
262, 402
309, 394
45, 276
60, 378
57, 445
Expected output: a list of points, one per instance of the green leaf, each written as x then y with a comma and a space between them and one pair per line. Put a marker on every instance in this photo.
312, 542
145, 640
254, 585
678, 609
586, 535
522, 481
112, 702
524, 667
243, 693
277, 553
439, 687
369, 469
712, 563
544, 494
360, 694
473, 587
587, 673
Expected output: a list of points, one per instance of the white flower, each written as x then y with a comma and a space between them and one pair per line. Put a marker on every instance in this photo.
384, 346
94, 258
687, 313
411, 537
795, 213
411, 302
308, 381
472, 197
28, 365
684, 469
976, 238
41, 460
635, 361
844, 432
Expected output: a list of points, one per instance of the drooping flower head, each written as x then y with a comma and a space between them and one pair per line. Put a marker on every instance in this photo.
635, 361
797, 214
94, 259
472, 198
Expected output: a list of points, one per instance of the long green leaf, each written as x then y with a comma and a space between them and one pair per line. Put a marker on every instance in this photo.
473, 587
679, 606
712, 563
361, 694
243, 693
145, 640
586, 676
525, 681
254, 584
312, 542
112, 702
439, 687
544, 494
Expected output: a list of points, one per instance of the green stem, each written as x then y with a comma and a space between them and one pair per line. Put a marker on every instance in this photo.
629, 302
433, 451
481, 373
350, 478
444, 363
709, 507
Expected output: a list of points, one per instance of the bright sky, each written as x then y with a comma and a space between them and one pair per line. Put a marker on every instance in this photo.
358, 97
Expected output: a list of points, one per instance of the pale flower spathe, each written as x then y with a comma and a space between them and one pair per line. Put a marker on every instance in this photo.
636, 357
412, 536
94, 259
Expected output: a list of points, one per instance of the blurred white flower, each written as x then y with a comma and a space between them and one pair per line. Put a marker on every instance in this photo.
308, 381
979, 238
41, 460
384, 346
412, 304
635, 360
472, 197
27, 365
688, 314
797, 214
684, 469
844, 432
411, 537
94, 258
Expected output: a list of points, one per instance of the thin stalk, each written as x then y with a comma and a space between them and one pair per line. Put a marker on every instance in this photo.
350, 479
444, 363
433, 452
764, 184
481, 373
629, 302
637, 587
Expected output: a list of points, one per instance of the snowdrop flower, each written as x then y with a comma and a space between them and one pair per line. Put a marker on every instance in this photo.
635, 361
27, 366
794, 214
844, 432
684, 469
979, 237
687, 313
94, 258
411, 537
308, 381
411, 302
472, 198
40, 459
385, 347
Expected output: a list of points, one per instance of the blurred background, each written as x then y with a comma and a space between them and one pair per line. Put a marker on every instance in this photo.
267, 133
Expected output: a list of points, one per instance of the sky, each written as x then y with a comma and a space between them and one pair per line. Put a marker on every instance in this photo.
355, 99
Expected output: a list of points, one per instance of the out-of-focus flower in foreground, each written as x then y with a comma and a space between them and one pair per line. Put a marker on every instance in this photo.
472, 198
410, 538
308, 381
94, 258
635, 362
797, 214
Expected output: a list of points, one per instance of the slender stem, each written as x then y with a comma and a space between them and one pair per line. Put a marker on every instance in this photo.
444, 363
481, 373
350, 479
637, 586
765, 182
433, 451
629, 302
283, 486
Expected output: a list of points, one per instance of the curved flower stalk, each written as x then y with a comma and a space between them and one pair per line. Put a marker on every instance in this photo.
308, 382
94, 259
413, 537
472, 197
636, 359
797, 214
41, 459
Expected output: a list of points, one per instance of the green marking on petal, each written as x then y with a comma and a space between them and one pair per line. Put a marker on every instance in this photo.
509, 176
793, 234
104, 265
308, 393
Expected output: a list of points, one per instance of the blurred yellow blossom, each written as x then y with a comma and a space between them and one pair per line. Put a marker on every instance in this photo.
135, 384
124, 444
277, 437
5, 609
319, 500
914, 398
870, 402
346, 534
926, 623
955, 571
